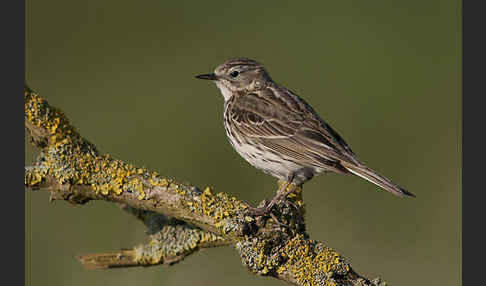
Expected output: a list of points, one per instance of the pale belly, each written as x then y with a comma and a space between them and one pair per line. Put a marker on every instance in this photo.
267, 162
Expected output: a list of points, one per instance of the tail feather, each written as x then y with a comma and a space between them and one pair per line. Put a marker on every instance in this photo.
377, 179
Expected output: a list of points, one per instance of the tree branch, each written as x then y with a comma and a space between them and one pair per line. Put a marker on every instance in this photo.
180, 217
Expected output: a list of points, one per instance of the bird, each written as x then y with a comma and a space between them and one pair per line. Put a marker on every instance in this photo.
279, 133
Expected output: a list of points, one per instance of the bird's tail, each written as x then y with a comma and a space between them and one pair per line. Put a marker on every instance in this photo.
372, 176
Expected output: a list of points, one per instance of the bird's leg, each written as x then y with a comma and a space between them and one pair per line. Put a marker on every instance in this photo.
282, 193
288, 192
267, 208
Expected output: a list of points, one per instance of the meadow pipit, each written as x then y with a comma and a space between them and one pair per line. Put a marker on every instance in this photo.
279, 133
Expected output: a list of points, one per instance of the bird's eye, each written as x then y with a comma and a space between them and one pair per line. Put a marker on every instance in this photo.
235, 74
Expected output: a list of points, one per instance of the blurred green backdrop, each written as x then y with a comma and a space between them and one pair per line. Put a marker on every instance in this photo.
385, 74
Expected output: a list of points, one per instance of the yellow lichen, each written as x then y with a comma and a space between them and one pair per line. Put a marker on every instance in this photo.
281, 269
164, 183
207, 191
33, 177
304, 260
310, 262
70, 158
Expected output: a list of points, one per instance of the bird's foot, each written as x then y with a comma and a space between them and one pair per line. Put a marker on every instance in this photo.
260, 211
267, 208
263, 211
290, 202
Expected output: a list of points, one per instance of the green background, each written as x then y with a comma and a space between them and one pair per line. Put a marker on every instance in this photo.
385, 74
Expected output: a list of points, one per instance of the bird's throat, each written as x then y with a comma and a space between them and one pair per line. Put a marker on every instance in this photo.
225, 91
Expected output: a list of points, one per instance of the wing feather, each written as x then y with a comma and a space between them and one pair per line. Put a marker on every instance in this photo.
291, 129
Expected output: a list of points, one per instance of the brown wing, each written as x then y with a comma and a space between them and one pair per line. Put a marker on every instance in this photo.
287, 124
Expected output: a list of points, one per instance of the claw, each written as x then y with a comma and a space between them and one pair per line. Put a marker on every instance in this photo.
268, 206
292, 204
275, 219
263, 211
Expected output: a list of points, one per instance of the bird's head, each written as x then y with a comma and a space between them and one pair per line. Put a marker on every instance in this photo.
238, 74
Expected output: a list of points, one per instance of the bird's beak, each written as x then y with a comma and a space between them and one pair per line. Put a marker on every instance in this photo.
209, 76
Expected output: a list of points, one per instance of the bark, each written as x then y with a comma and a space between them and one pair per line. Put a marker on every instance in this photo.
181, 218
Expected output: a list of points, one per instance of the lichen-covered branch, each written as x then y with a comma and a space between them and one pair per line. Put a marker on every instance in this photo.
171, 241
181, 218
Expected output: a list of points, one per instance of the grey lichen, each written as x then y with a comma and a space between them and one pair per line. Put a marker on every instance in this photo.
173, 241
